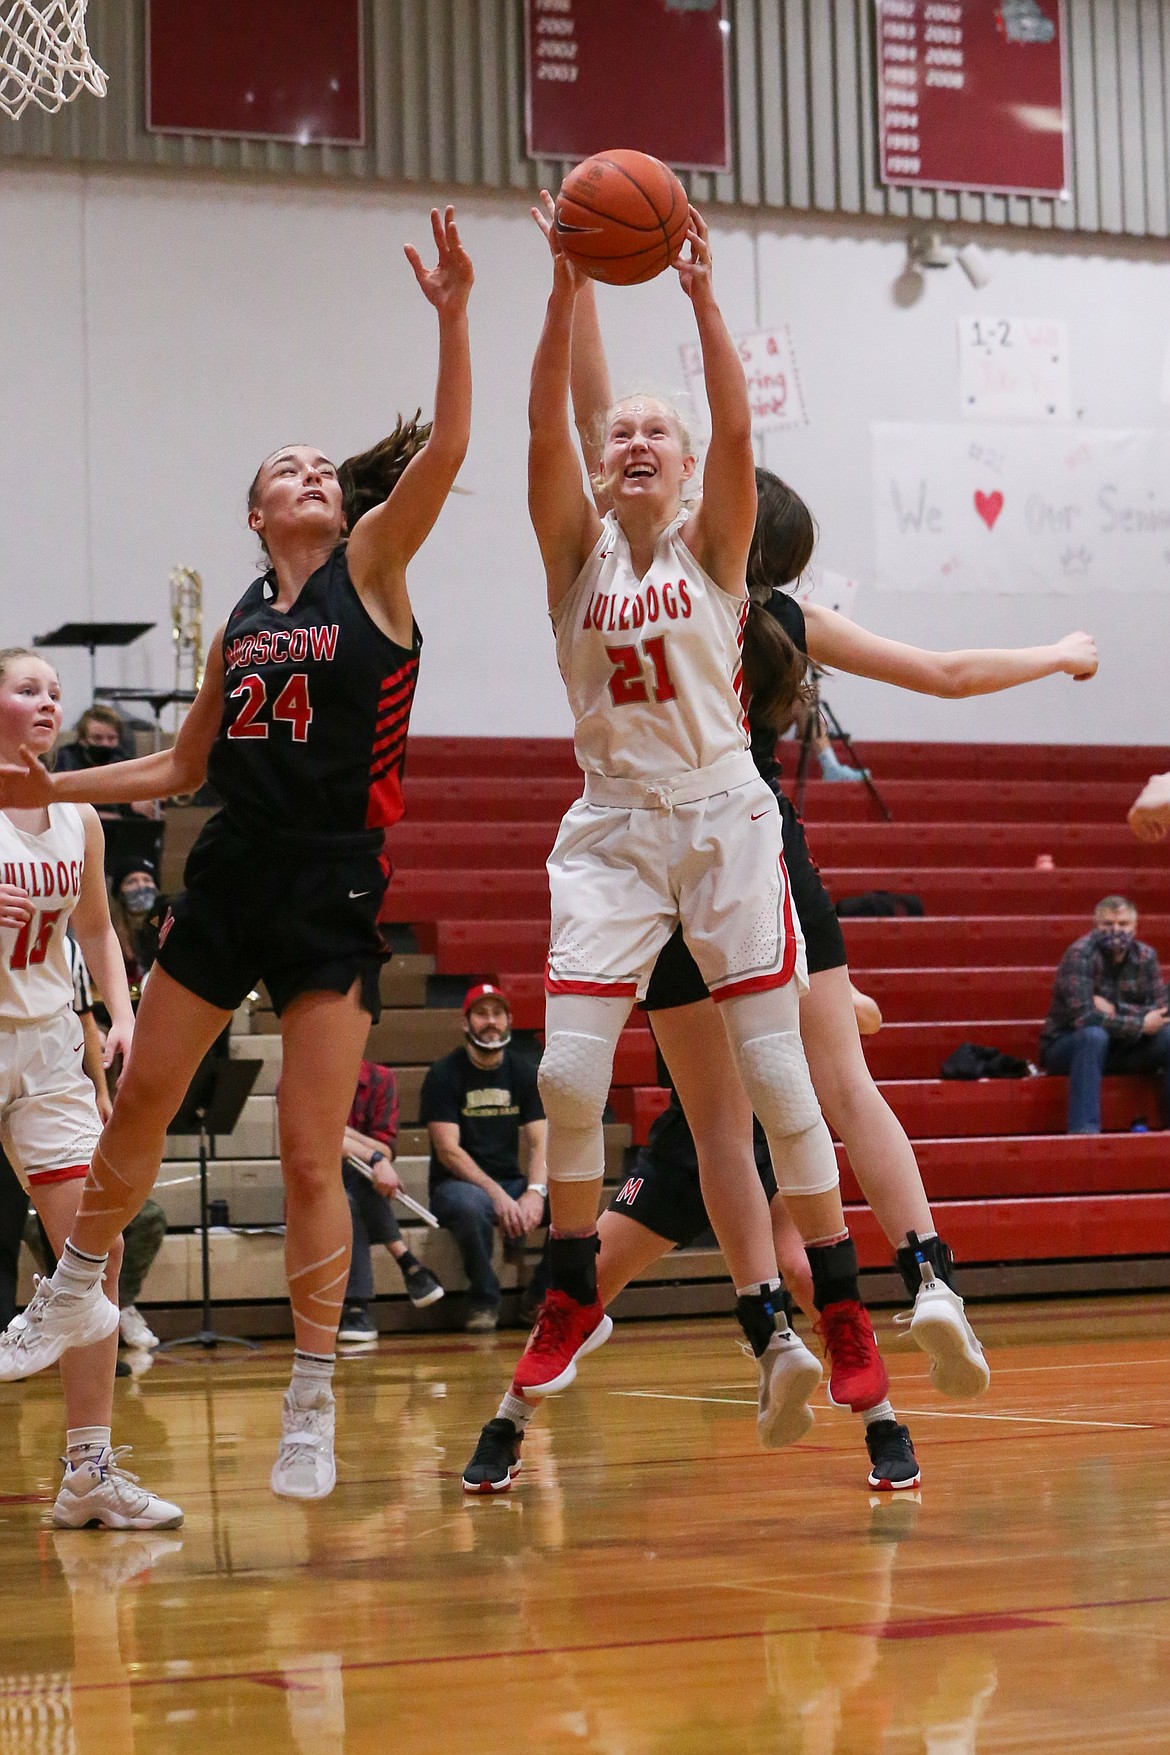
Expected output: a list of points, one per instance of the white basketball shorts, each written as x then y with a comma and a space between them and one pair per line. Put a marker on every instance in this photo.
49, 1124
621, 880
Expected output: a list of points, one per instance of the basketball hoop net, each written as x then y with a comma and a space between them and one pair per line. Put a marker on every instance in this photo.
44, 57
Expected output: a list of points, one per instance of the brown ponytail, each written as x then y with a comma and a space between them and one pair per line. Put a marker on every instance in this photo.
773, 669
782, 545
370, 477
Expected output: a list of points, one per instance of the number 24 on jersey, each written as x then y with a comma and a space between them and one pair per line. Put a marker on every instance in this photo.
291, 704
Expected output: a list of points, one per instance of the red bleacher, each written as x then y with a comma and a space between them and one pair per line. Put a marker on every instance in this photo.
969, 823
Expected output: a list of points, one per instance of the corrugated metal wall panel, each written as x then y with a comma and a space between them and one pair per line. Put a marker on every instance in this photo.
445, 106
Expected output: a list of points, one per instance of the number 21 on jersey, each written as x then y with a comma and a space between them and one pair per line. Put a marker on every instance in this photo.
292, 704
632, 682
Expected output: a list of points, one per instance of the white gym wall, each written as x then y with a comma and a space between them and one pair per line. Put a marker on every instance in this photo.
163, 334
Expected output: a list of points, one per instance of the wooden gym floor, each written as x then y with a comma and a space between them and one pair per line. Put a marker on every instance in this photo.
653, 1583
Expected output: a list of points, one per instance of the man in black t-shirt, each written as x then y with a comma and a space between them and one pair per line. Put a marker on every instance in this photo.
483, 1112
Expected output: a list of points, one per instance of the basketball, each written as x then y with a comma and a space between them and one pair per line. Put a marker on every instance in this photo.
622, 217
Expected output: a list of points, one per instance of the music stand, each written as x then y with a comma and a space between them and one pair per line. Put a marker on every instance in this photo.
213, 1103
93, 635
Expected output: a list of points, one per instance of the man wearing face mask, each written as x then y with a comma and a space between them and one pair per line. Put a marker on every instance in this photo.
100, 739
1108, 1014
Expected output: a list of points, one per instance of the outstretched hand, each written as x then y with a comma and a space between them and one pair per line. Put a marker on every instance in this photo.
565, 271
1078, 655
25, 784
694, 269
448, 284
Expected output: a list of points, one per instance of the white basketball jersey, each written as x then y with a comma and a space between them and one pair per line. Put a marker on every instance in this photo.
36, 980
652, 666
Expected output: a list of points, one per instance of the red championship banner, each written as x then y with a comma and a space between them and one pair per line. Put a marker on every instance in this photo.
653, 75
971, 95
268, 69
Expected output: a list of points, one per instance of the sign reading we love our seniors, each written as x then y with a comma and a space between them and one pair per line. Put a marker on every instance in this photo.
1020, 509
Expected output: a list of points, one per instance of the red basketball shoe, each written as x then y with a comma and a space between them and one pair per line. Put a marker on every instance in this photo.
565, 1331
858, 1378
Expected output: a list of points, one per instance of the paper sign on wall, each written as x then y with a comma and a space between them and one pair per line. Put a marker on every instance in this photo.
773, 381
835, 591
1021, 509
1014, 368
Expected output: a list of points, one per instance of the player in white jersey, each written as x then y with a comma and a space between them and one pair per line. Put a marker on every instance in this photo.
51, 880
675, 826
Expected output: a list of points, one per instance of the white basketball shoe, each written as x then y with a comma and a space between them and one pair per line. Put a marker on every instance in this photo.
50, 1324
788, 1375
938, 1322
304, 1466
101, 1493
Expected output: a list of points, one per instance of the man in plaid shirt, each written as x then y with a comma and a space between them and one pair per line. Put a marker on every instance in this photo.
371, 1136
1108, 1014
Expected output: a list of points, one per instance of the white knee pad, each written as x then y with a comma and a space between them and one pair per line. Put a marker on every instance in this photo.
575, 1072
776, 1078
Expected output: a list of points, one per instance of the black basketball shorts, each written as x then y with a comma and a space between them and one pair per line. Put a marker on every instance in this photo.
302, 920
676, 980
663, 1193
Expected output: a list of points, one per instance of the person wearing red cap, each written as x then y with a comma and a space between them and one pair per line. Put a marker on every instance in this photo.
482, 1109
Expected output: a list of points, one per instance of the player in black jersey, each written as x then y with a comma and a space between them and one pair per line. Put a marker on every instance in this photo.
300, 724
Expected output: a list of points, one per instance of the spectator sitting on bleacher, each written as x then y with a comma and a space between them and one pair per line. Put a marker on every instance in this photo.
100, 737
483, 1111
371, 1136
136, 910
1108, 1014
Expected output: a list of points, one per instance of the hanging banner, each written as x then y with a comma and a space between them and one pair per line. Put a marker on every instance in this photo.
652, 75
1021, 510
1014, 368
971, 95
260, 69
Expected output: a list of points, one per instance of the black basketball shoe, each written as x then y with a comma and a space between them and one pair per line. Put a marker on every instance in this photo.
892, 1455
496, 1461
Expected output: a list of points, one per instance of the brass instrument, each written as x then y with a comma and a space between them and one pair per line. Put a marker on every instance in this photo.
187, 628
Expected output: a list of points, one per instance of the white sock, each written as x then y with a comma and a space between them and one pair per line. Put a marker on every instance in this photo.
758, 1288
78, 1272
871, 1416
312, 1378
516, 1409
85, 1444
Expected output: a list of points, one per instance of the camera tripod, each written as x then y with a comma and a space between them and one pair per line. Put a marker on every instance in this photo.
820, 716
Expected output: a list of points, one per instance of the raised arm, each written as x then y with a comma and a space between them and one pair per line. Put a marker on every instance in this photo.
564, 519
385, 540
835, 641
720, 533
165, 774
589, 384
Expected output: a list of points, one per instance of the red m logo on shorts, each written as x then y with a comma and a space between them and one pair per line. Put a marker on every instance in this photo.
629, 1192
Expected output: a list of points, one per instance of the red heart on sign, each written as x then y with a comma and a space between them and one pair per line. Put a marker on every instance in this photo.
989, 507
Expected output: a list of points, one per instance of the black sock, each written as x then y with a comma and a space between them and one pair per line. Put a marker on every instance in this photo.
919, 1251
755, 1313
572, 1263
406, 1262
834, 1272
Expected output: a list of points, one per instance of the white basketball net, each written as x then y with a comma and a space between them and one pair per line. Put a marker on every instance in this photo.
44, 57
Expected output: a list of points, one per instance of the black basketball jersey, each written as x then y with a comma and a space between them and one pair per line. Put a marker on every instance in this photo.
787, 611
317, 702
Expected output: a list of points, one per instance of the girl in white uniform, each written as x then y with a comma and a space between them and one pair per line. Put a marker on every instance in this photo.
51, 880
675, 824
